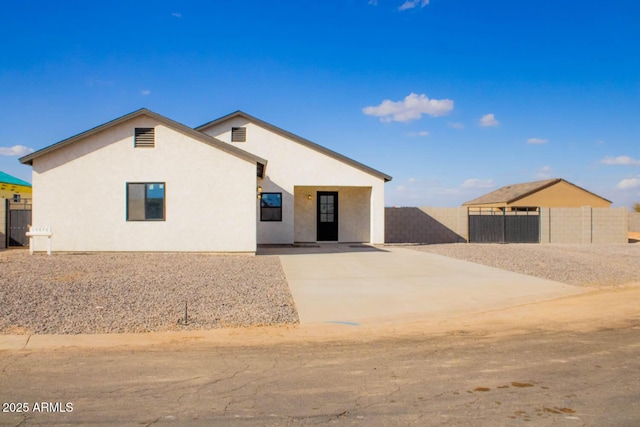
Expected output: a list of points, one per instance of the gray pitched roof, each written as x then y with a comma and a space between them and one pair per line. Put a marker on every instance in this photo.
299, 140
28, 159
511, 193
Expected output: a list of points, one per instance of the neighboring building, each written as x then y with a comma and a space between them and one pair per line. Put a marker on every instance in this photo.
550, 193
143, 182
13, 188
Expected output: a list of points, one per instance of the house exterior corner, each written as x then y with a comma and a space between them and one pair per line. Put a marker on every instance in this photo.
192, 197
317, 188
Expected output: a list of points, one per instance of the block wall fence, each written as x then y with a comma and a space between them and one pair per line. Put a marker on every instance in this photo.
634, 221
428, 225
3, 223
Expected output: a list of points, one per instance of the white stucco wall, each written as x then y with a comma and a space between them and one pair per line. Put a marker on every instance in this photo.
292, 164
80, 192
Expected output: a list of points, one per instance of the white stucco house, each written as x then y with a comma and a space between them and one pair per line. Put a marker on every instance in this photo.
143, 182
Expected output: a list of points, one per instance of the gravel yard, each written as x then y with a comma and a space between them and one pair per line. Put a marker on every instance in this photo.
107, 292
582, 265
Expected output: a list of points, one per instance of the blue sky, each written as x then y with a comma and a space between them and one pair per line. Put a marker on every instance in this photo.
453, 98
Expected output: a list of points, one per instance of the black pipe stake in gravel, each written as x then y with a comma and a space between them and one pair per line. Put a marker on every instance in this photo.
243, 290
186, 318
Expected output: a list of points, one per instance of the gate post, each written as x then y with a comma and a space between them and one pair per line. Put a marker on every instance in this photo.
4, 223
586, 217
545, 225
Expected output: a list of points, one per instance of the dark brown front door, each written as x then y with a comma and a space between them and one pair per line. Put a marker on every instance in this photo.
327, 216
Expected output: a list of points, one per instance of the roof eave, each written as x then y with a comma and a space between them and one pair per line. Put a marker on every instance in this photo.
546, 184
28, 159
298, 139
535, 190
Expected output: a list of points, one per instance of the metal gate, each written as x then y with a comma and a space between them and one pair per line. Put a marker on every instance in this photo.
17, 225
504, 225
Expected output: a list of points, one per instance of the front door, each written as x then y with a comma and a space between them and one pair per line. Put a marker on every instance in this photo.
327, 216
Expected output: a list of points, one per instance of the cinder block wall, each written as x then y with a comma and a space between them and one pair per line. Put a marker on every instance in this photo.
565, 225
583, 225
634, 221
557, 225
609, 225
3, 223
426, 225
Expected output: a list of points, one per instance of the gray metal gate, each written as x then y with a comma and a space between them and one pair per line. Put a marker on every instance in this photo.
498, 225
17, 226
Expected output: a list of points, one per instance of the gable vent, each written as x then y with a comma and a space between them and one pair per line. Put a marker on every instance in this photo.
145, 137
238, 134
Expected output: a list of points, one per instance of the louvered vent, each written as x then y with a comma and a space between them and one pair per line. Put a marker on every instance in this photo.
145, 137
238, 134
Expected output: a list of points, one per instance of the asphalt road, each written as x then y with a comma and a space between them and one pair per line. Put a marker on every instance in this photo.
457, 378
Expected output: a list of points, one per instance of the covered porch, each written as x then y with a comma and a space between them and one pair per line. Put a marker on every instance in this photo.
334, 214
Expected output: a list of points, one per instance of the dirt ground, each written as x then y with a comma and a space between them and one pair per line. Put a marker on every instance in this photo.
607, 308
614, 307
571, 361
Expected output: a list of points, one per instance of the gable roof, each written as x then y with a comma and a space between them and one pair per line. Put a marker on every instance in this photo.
511, 193
28, 159
8, 179
300, 140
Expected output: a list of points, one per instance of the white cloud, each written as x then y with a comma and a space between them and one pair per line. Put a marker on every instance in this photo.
629, 183
401, 188
413, 180
455, 125
145, 92
621, 160
412, 107
410, 4
478, 183
177, 14
544, 172
16, 150
373, 2
537, 141
489, 120
421, 133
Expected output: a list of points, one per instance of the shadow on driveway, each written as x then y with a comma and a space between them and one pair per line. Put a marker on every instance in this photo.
316, 248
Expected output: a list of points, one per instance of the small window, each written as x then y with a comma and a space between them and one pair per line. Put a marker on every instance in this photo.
16, 198
271, 207
145, 137
145, 201
238, 134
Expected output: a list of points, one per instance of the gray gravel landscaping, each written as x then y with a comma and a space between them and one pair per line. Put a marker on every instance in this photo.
582, 265
126, 292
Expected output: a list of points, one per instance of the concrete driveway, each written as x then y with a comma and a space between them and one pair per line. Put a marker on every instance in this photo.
356, 284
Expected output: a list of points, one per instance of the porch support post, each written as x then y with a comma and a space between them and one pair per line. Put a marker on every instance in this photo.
377, 214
